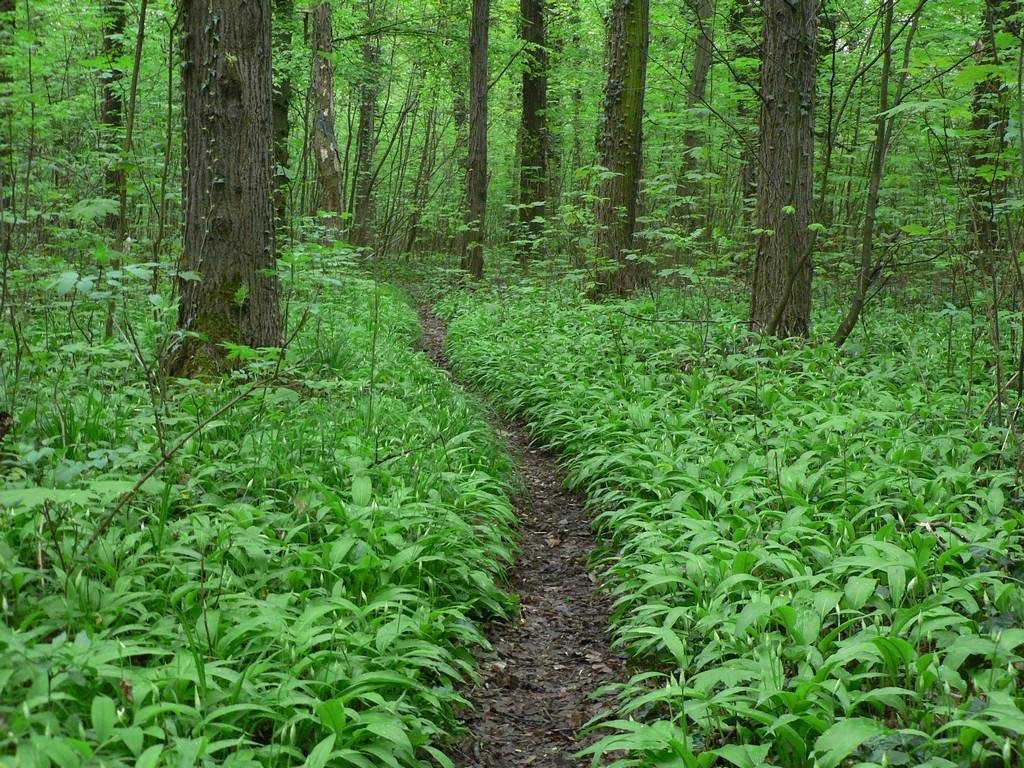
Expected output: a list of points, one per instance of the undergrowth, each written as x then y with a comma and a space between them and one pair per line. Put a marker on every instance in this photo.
299, 585
816, 557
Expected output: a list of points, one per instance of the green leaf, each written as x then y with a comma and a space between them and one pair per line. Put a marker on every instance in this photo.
843, 738
859, 590
321, 753
150, 758
744, 756
104, 715
332, 715
362, 490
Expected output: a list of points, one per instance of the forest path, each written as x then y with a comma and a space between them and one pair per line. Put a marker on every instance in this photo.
536, 684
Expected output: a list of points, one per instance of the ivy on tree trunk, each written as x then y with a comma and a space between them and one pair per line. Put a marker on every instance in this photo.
781, 298
228, 278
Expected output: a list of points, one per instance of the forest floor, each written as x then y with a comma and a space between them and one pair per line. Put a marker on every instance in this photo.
536, 684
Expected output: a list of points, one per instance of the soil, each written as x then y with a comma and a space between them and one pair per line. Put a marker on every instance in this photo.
537, 682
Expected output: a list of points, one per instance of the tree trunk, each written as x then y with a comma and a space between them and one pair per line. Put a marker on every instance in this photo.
741, 18
119, 175
228, 279
686, 189
987, 180
366, 134
112, 108
325, 142
533, 136
476, 169
7, 172
878, 152
866, 275
781, 298
620, 148
284, 20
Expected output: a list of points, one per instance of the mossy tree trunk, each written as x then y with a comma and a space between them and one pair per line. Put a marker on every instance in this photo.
781, 296
327, 159
533, 129
620, 149
228, 278
476, 168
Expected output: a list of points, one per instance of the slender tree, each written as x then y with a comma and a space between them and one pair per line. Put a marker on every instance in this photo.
620, 148
7, 173
325, 141
781, 298
533, 130
112, 105
284, 21
228, 279
366, 132
989, 122
476, 168
742, 19
704, 11
867, 274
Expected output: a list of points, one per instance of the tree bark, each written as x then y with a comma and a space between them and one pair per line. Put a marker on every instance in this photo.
476, 169
533, 131
988, 179
781, 297
7, 173
686, 189
620, 148
112, 109
228, 210
742, 16
284, 20
366, 134
325, 141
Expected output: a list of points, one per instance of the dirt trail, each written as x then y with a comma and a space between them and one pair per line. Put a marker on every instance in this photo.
536, 685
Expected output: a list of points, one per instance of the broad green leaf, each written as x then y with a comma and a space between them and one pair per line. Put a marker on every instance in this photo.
104, 716
321, 753
843, 738
745, 755
362, 490
150, 758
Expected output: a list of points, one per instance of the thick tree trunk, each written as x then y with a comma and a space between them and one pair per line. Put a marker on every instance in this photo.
781, 297
325, 142
229, 214
620, 148
366, 135
476, 170
533, 131
284, 20
686, 189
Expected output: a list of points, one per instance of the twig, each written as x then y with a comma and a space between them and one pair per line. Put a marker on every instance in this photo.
169, 454
679, 320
